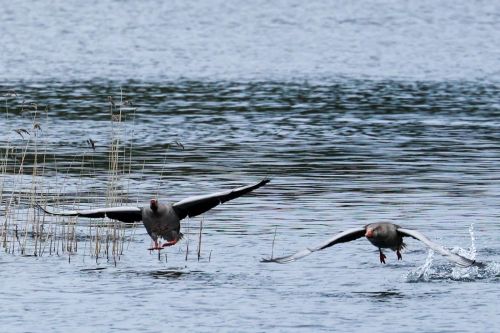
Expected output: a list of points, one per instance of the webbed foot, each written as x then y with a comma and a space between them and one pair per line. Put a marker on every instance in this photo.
382, 256
170, 243
400, 257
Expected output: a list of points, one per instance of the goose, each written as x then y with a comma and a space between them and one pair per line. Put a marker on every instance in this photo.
383, 236
162, 220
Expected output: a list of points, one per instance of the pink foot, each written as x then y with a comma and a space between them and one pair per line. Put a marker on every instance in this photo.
382, 257
169, 243
400, 257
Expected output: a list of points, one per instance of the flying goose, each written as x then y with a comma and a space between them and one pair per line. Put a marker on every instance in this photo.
383, 236
163, 220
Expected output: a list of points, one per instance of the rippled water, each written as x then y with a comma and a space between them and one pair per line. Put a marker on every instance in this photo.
358, 112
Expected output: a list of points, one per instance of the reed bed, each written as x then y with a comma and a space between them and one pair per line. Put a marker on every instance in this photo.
24, 158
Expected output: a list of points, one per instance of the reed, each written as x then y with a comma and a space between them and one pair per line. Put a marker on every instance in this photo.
199, 239
274, 239
187, 240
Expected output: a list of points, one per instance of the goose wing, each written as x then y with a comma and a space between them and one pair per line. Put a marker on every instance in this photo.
342, 237
457, 259
124, 214
197, 205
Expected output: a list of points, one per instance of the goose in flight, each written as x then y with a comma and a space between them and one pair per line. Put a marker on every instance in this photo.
383, 236
162, 220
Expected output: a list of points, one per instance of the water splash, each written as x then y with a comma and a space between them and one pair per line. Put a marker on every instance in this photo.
427, 273
423, 272
472, 240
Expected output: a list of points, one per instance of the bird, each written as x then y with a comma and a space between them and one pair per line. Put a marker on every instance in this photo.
162, 220
382, 235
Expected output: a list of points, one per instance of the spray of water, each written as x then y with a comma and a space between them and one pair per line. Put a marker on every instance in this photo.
423, 272
428, 273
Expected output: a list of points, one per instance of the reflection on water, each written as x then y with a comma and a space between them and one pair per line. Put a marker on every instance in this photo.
381, 296
174, 274
92, 269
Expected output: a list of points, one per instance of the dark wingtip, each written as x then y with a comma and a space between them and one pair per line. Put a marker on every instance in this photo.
37, 205
478, 264
274, 260
265, 181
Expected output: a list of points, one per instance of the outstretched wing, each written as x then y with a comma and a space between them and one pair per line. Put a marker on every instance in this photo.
197, 205
124, 214
458, 259
345, 236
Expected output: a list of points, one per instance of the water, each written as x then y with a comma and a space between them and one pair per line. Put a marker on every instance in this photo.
359, 112
281, 40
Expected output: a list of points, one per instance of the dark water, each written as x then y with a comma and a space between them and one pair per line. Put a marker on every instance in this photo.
357, 111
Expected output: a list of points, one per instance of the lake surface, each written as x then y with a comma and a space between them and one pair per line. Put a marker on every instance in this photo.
359, 112
283, 40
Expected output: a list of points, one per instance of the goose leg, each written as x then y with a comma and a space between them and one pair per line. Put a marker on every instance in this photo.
400, 257
382, 256
156, 246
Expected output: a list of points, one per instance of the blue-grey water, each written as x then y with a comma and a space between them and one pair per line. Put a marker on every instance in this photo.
359, 112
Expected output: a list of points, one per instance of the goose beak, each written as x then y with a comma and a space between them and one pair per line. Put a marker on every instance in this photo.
153, 204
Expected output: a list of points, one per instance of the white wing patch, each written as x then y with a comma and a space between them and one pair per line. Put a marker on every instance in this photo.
459, 260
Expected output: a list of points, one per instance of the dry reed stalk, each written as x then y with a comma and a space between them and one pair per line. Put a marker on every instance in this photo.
17, 198
187, 240
199, 239
36, 227
274, 238
3, 172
